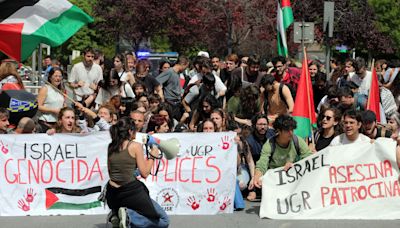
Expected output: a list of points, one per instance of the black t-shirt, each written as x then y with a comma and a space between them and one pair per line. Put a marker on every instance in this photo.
323, 142
150, 82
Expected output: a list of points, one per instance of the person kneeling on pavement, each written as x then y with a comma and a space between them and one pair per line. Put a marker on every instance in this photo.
282, 150
123, 189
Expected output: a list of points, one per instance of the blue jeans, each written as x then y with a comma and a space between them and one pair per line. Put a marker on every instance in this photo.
138, 220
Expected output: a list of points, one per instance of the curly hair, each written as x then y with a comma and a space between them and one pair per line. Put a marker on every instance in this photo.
285, 123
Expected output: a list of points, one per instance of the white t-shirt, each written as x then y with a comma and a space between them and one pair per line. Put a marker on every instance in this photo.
80, 73
343, 140
363, 83
219, 85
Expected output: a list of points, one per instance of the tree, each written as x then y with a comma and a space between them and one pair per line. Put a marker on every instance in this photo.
387, 18
85, 37
133, 21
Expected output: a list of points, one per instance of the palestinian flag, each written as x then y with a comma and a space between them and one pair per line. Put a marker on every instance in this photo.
303, 110
284, 19
72, 199
26, 23
373, 103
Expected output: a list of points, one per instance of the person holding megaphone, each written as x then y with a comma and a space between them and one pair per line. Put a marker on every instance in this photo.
123, 189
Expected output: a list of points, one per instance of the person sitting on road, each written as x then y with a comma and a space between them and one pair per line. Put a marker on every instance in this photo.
282, 150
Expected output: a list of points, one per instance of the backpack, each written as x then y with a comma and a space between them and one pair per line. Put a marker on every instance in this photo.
272, 143
266, 104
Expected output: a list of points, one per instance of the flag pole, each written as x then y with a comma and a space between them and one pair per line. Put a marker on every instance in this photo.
369, 92
308, 97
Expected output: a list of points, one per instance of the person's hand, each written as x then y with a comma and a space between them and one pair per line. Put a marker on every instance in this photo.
251, 184
51, 131
185, 115
155, 152
93, 86
287, 166
247, 122
79, 106
311, 146
81, 83
258, 182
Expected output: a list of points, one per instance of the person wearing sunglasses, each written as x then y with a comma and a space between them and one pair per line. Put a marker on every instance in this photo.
329, 129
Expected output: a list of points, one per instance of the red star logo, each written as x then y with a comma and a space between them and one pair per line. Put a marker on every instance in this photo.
167, 197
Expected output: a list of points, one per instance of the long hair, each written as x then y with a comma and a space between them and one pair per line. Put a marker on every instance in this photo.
75, 129
119, 133
51, 73
248, 101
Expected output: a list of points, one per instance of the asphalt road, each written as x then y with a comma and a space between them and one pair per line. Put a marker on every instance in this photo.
246, 218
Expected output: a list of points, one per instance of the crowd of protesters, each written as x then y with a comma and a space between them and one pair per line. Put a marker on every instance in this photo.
213, 94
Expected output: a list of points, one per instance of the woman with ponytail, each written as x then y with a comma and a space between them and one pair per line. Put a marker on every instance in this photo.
123, 189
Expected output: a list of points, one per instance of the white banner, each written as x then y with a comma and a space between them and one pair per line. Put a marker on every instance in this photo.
64, 174
357, 181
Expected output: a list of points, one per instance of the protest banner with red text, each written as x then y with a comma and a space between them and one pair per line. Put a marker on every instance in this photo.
63, 174
356, 181
201, 180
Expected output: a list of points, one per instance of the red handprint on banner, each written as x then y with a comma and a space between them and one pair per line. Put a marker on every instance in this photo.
192, 202
23, 206
226, 142
30, 196
225, 203
4, 148
211, 195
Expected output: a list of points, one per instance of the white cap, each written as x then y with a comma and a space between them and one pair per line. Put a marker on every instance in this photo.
204, 54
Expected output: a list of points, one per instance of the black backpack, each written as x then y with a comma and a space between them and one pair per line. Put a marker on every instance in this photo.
272, 143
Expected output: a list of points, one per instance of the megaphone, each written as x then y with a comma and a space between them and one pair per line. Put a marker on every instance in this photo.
169, 147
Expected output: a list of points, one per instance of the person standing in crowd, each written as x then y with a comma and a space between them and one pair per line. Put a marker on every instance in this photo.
206, 68
361, 77
276, 98
111, 86
313, 69
123, 188
164, 66
4, 115
85, 76
281, 150
142, 75
320, 88
9, 77
290, 76
351, 127
329, 129
231, 62
120, 68
251, 73
216, 66
51, 99
170, 84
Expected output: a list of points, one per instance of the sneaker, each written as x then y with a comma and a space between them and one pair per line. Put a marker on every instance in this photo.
122, 217
113, 219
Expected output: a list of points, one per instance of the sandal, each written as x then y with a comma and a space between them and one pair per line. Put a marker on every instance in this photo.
252, 196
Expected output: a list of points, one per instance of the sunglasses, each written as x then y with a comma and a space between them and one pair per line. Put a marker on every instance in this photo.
328, 117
